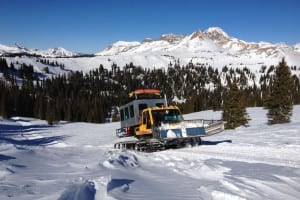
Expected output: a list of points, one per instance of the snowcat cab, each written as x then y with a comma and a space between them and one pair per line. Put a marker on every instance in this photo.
131, 112
156, 117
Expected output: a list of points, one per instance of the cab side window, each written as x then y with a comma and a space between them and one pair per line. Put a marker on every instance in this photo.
122, 114
126, 113
146, 119
131, 111
142, 107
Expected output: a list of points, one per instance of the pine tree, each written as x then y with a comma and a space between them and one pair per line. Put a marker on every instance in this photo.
3, 107
234, 109
280, 102
50, 114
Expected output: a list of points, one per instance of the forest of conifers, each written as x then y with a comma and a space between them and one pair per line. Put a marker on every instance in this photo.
94, 96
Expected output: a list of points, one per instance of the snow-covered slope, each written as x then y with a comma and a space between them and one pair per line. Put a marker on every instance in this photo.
57, 52
297, 47
212, 47
53, 52
77, 161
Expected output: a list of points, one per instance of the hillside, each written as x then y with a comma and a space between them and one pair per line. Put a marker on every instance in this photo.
77, 161
212, 47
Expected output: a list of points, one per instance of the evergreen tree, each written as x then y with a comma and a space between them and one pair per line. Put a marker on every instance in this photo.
3, 105
280, 102
234, 109
50, 114
296, 89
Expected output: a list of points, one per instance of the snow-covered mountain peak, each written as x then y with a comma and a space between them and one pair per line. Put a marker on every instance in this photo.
15, 49
198, 34
171, 38
4, 49
125, 43
147, 40
52, 52
118, 47
20, 47
297, 47
216, 34
57, 52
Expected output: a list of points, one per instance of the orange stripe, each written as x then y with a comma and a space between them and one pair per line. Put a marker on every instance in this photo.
141, 91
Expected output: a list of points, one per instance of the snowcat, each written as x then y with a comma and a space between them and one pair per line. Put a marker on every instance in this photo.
157, 126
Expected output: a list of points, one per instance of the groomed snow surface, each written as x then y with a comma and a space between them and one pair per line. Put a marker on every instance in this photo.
77, 161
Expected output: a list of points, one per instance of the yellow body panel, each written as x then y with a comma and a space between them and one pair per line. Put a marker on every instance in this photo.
145, 128
143, 132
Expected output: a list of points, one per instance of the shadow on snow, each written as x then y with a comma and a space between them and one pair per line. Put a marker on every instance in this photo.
119, 183
7, 131
80, 191
215, 142
33, 142
4, 157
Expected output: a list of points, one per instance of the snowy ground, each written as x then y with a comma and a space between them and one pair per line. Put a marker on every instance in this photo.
77, 161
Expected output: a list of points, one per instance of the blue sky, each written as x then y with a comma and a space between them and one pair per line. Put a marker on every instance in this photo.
88, 26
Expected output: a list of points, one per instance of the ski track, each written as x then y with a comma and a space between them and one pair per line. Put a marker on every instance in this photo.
77, 161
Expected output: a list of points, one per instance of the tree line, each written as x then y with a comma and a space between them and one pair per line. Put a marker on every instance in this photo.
92, 96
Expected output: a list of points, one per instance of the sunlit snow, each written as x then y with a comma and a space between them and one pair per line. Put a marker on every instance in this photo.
77, 161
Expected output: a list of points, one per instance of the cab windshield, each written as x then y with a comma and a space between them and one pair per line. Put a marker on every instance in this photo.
166, 116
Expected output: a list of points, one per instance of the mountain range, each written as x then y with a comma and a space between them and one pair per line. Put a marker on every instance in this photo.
52, 52
212, 47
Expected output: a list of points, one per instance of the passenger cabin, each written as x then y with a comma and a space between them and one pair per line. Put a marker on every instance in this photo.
140, 99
